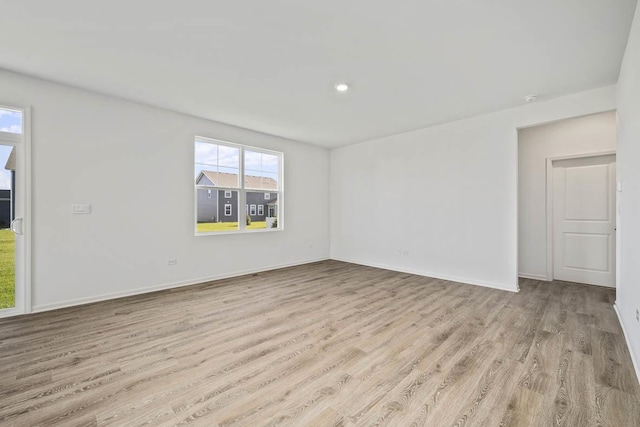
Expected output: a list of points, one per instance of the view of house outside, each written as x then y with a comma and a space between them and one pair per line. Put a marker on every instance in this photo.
218, 188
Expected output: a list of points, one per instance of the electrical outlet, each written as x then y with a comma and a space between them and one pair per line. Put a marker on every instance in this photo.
172, 262
405, 252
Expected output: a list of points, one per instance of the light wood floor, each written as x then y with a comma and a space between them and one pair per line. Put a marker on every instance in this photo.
325, 344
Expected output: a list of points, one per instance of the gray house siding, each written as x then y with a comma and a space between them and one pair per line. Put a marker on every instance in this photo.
212, 209
255, 198
5, 208
204, 180
207, 206
233, 201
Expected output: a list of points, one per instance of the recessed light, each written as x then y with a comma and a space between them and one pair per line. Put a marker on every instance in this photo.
342, 87
530, 98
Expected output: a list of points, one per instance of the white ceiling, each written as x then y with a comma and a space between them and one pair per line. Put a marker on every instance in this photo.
271, 65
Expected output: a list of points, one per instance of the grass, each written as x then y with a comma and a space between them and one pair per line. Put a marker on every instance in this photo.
7, 269
206, 227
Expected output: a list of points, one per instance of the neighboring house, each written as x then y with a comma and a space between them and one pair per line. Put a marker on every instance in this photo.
6, 196
216, 205
5, 208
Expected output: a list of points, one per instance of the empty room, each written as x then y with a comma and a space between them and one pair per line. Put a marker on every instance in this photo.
320, 213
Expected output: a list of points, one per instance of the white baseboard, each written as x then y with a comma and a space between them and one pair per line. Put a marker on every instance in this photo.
138, 291
430, 274
534, 276
634, 359
10, 312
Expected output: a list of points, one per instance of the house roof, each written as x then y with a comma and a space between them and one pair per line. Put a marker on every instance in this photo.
11, 161
230, 180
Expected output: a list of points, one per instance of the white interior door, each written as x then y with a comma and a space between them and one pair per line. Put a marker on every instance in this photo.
584, 220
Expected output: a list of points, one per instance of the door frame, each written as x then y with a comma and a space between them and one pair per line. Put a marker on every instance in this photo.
549, 200
23, 175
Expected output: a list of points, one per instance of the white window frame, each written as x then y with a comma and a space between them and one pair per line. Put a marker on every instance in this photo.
241, 190
227, 194
260, 210
230, 206
267, 196
252, 210
209, 193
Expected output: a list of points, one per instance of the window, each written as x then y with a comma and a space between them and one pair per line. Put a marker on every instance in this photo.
247, 175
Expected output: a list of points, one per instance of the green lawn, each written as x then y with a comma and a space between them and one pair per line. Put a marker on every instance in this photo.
206, 227
7, 269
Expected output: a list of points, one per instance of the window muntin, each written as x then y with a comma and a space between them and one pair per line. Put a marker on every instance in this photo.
218, 167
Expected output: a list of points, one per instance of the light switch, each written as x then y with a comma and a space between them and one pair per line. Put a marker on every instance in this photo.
618, 186
81, 209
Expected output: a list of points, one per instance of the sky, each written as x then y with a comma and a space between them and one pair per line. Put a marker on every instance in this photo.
10, 121
222, 158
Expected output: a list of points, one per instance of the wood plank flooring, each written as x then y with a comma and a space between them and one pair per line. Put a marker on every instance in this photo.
324, 344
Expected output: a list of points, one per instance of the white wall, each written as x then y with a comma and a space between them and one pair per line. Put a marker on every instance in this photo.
628, 286
134, 164
446, 195
581, 135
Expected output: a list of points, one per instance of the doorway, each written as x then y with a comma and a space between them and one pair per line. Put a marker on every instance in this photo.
540, 148
584, 220
14, 191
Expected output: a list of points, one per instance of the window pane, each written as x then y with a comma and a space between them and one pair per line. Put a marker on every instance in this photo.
263, 213
10, 121
261, 170
215, 212
217, 165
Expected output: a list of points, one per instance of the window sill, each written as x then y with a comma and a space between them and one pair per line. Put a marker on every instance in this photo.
218, 233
